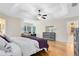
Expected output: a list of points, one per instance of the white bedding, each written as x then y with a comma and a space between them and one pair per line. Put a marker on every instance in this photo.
28, 46
11, 49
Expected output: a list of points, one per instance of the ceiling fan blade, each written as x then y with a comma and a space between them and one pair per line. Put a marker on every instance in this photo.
45, 15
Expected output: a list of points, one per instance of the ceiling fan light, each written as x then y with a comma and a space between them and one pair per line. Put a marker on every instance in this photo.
39, 17
39, 14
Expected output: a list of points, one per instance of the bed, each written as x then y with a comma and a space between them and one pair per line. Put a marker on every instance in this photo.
26, 46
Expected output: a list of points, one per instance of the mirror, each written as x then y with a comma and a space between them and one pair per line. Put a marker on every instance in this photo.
50, 28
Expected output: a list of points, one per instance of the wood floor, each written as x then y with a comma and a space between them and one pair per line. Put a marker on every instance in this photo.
56, 49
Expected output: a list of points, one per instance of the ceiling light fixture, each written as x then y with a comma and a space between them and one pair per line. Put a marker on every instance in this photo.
40, 16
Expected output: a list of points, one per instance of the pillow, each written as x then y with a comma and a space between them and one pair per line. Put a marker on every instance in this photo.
13, 48
4, 37
3, 43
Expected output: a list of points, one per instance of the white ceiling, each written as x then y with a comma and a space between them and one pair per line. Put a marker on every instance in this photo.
30, 10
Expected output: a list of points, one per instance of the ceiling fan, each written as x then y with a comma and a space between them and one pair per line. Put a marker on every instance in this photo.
41, 16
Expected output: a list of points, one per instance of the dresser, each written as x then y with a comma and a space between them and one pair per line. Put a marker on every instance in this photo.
49, 35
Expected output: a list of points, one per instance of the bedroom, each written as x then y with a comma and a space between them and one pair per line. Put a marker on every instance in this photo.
22, 18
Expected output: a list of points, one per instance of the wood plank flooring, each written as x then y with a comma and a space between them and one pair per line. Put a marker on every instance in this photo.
56, 49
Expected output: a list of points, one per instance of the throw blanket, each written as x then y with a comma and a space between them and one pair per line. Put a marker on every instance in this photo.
42, 42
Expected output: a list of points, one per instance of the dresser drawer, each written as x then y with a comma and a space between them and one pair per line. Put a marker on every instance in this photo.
50, 35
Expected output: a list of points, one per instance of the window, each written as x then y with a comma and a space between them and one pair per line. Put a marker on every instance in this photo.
34, 29
28, 29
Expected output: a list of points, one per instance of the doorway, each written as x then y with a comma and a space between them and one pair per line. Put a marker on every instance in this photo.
71, 25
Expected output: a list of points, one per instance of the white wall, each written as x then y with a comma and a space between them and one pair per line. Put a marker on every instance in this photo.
61, 27
13, 26
66, 21
61, 32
